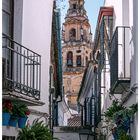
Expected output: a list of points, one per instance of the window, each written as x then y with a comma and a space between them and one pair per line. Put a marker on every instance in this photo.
72, 34
7, 29
86, 60
78, 61
74, 6
69, 59
7, 17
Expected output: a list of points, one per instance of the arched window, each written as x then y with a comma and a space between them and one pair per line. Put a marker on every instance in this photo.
72, 34
86, 60
69, 59
74, 6
78, 61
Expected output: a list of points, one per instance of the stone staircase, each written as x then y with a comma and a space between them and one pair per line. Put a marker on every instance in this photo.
72, 133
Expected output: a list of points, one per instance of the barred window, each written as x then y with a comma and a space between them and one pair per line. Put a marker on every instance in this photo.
72, 34
7, 17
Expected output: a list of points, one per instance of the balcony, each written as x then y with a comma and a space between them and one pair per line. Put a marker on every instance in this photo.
21, 71
120, 60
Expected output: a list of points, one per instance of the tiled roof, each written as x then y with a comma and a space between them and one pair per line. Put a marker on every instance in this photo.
74, 121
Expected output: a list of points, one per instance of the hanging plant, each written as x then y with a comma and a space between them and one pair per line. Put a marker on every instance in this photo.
124, 136
121, 116
124, 115
37, 131
115, 107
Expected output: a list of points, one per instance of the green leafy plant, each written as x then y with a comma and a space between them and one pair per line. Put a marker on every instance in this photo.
124, 136
37, 131
116, 110
125, 113
15, 110
115, 107
121, 116
23, 110
20, 110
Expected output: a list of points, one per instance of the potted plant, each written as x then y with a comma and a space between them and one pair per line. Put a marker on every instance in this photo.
124, 136
6, 111
121, 116
23, 113
115, 133
115, 107
14, 117
37, 131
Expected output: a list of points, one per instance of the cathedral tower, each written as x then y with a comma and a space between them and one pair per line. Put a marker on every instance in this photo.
76, 51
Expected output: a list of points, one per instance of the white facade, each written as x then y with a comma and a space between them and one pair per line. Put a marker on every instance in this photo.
32, 29
63, 113
36, 35
126, 14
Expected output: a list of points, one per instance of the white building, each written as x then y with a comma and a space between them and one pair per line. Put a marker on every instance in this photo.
115, 53
27, 22
124, 88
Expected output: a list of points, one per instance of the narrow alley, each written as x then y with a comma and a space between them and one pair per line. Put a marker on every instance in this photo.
69, 70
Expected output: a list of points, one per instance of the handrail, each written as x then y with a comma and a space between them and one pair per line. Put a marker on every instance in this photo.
22, 69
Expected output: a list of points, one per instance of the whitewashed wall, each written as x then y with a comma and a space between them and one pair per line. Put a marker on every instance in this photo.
36, 34
133, 23
126, 13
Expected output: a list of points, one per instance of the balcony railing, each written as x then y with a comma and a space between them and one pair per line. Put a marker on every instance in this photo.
120, 60
21, 69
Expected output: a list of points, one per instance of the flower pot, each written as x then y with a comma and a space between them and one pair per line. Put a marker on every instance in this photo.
13, 121
115, 136
22, 122
126, 125
5, 118
114, 133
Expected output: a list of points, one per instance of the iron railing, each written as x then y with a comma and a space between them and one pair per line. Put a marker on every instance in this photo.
120, 55
21, 69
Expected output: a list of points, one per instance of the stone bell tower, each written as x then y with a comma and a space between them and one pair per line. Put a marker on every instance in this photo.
76, 51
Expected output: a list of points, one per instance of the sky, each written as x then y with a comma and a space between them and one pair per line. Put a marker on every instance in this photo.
91, 6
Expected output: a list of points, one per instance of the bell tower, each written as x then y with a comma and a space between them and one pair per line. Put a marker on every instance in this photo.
76, 51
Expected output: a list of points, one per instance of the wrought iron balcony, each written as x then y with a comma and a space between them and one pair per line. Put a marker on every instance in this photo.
21, 69
120, 60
